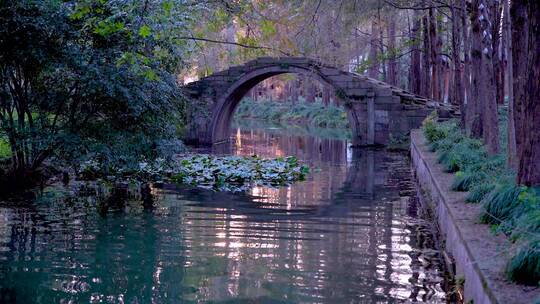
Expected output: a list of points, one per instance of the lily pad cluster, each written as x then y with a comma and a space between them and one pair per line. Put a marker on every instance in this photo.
221, 173
235, 173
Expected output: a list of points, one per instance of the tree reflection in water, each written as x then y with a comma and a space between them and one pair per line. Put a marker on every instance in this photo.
350, 232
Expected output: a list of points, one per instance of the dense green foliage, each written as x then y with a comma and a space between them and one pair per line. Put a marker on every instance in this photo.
316, 114
5, 151
227, 173
509, 208
84, 78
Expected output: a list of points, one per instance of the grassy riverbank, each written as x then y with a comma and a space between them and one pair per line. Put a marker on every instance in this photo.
315, 114
509, 208
273, 127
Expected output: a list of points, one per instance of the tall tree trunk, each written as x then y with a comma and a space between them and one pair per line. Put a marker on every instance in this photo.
435, 52
495, 13
373, 70
520, 54
381, 50
426, 63
487, 88
466, 68
415, 74
392, 62
309, 90
507, 37
295, 84
326, 92
529, 160
458, 93
475, 111
443, 67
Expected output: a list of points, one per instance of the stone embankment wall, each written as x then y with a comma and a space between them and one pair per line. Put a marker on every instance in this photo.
477, 255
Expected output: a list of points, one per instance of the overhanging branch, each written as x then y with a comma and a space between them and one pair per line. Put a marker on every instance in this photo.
235, 43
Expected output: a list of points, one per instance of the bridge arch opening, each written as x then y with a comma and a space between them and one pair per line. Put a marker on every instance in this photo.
377, 112
230, 99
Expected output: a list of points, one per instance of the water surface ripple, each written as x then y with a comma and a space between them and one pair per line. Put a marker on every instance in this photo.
351, 233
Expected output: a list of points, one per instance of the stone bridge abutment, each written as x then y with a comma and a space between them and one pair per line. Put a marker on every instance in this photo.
376, 111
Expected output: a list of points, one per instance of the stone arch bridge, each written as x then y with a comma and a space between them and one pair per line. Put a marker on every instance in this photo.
376, 110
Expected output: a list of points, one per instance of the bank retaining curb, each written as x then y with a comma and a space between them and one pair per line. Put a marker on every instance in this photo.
479, 255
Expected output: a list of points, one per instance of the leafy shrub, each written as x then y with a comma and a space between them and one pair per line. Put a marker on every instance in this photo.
81, 71
434, 131
5, 150
168, 148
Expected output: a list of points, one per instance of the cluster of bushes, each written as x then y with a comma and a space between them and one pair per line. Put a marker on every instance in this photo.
82, 78
315, 113
509, 208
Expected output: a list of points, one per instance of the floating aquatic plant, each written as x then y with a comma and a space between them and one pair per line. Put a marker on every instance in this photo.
221, 173
235, 173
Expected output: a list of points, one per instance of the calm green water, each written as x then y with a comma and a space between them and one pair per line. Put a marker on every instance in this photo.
349, 234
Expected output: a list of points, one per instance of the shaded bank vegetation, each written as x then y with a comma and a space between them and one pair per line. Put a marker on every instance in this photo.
293, 129
86, 79
495, 153
313, 113
91, 86
509, 208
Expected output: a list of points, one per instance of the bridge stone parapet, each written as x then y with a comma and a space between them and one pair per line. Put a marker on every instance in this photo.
376, 110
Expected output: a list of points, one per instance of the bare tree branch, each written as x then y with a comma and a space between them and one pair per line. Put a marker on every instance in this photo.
312, 19
398, 6
234, 43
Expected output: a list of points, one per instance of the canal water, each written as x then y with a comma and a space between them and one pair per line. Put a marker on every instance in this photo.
350, 233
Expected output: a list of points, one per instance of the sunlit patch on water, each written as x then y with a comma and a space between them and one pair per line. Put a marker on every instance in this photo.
349, 233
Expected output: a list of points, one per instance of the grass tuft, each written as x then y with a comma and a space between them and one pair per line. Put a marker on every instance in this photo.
501, 203
478, 192
464, 181
524, 266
